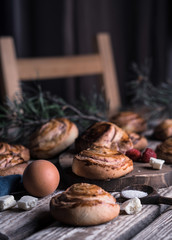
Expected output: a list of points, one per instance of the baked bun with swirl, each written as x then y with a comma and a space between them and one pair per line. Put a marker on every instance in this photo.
104, 134
15, 150
84, 204
101, 163
13, 159
163, 130
164, 150
130, 121
139, 142
52, 138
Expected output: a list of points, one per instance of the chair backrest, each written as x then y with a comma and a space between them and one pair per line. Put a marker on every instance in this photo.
13, 69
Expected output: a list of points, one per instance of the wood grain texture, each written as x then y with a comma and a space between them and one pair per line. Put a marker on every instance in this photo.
37, 223
124, 227
18, 224
159, 229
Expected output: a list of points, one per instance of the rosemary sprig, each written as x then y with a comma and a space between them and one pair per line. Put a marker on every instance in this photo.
157, 100
20, 117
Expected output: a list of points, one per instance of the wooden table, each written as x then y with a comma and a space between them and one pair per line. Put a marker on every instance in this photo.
153, 222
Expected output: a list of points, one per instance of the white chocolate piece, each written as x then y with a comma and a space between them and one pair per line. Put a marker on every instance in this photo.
27, 202
156, 163
132, 206
7, 202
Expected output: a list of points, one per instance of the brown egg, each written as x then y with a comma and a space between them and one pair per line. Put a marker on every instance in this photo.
41, 178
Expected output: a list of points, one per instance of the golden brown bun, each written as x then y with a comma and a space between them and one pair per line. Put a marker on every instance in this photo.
104, 134
17, 169
16, 150
163, 130
84, 204
139, 142
101, 163
13, 159
130, 122
164, 150
52, 138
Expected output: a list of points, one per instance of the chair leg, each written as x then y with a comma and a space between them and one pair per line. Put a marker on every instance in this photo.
9, 78
110, 80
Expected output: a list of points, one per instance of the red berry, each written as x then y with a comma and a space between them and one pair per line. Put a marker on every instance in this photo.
147, 154
133, 154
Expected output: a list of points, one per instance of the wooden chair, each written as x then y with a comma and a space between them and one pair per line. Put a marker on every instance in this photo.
13, 69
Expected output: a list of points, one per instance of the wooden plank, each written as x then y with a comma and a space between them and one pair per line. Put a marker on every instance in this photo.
161, 228
56, 67
17, 224
121, 228
9, 74
110, 79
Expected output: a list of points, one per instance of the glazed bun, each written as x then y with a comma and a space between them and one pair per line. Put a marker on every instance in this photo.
139, 142
13, 159
101, 163
83, 205
164, 150
14, 150
52, 138
130, 122
104, 134
163, 130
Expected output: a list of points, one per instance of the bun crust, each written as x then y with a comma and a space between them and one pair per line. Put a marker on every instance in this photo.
139, 142
163, 130
130, 122
52, 138
13, 159
17, 169
104, 134
101, 163
164, 150
84, 204
15, 150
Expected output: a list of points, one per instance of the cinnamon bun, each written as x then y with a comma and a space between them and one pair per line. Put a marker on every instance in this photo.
84, 204
164, 150
130, 122
52, 138
13, 159
104, 134
139, 142
163, 130
101, 163
15, 150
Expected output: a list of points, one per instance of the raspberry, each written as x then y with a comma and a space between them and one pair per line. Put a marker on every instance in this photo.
133, 154
147, 154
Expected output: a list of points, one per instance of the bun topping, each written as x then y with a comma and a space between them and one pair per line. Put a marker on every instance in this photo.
83, 194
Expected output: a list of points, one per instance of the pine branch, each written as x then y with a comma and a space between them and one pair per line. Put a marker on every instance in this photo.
143, 94
19, 118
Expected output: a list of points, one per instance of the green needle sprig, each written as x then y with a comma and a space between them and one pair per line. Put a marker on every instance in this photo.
20, 117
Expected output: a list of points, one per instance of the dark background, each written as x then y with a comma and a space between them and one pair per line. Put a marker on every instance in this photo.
139, 29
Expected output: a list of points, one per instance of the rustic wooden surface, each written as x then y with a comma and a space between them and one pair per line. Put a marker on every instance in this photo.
153, 222
158, 229
38, 224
